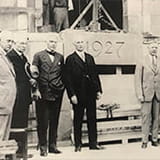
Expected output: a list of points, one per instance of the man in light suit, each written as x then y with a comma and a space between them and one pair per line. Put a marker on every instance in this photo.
83, 88
7, 86
147, 78
49, 67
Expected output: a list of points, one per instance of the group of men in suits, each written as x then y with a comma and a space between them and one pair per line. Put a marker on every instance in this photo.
50, 75
81, 80
47, 78
15, 88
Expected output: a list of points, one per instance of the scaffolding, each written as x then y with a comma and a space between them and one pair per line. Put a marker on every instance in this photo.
97, 8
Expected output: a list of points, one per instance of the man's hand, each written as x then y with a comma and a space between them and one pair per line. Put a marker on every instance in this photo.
99, 95
33, 83
74, 99
36, 95
141, 99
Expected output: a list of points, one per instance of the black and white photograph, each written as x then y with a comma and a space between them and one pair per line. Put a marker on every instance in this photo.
79, 79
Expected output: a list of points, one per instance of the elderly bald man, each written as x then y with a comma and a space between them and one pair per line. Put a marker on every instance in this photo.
7, 85
49, 65
83, 88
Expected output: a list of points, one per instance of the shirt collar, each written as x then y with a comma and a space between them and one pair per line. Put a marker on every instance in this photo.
80, 53
2, 51
19, 53
48, 50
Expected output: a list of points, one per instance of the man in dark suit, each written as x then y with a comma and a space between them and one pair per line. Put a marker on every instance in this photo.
48, 65
23, 98
83, 88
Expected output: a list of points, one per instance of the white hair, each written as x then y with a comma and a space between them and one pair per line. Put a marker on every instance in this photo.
6, 35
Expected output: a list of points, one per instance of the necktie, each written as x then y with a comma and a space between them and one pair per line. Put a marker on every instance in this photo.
154, 62
23, 57
83, 56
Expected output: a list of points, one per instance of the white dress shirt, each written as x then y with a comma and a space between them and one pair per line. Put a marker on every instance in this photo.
81, 55
50, 56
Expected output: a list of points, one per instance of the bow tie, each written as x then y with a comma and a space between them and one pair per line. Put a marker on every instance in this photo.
51, 53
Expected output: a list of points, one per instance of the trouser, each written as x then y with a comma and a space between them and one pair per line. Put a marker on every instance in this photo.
5, 124
60, 18
79, 109
47, 116
20, 120
150, 117
45, 14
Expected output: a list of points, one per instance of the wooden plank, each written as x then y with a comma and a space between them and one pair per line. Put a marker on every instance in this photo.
114, 131
124, 137
7, 143
118, 113
16, 130
8, 147
115, 124
13, 10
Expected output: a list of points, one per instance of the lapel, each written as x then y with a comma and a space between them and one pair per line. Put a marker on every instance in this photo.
158, 64
2, 52
87, 59
78, 60
17, 56
56, 60
47, 59
149, 63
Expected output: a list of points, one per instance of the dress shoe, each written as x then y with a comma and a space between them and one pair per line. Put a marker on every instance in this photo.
155, 143
43, 151
96, 147
54, 150
20, 155
78, 149
144, 145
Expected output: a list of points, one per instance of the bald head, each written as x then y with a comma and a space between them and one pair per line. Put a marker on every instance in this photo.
79, 43
20, 40
52, 42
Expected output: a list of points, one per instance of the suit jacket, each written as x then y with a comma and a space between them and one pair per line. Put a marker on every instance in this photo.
80, 76
147, 79
50, 79
22, 79
7, 84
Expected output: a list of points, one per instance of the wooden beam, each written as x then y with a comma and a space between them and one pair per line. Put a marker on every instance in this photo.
109, 17
82, 14
95, 14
